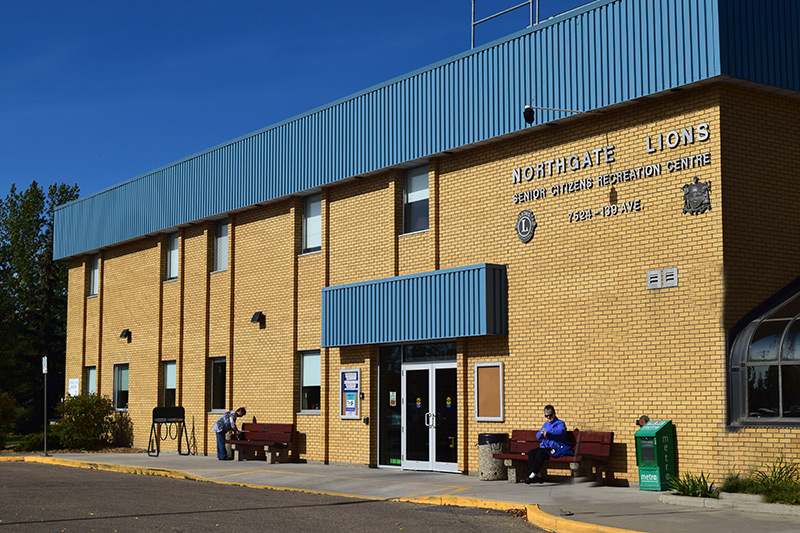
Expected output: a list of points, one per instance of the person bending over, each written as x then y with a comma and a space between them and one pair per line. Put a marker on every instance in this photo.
553, 437
223, 425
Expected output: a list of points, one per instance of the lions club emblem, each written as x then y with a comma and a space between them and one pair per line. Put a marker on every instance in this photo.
526, 225
695, 197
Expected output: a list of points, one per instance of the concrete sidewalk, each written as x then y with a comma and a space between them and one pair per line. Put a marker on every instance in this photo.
562, 507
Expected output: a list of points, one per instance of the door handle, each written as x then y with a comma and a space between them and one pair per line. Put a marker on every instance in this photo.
428, 419
433, 420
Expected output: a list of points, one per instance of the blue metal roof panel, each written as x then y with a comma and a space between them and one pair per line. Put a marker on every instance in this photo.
606, 52
760, 41
444, 304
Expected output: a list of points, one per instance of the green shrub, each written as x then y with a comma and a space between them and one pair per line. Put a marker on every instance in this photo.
737, 483
8, 407
777, 474
85, 421
777, 483
34, 442
784, 492
697, 486
121, 433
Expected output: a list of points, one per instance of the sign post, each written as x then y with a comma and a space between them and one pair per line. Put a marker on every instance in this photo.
44, 371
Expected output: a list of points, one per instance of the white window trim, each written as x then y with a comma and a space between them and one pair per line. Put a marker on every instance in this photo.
500, 418
406, 177
216, 260
224, 360
94, 276
306, 206
302, 374
116, 385
170, 253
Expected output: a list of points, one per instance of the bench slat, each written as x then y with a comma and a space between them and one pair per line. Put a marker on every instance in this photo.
266, 435
279, 428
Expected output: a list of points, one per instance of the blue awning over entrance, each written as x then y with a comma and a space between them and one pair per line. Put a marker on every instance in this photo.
443, 304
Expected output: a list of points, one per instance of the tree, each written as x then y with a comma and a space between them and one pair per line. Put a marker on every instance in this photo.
33, 299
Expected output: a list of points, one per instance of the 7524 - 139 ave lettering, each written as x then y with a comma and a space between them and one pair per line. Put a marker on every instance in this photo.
605, 211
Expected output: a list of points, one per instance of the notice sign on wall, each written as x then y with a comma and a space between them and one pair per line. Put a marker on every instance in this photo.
349, 403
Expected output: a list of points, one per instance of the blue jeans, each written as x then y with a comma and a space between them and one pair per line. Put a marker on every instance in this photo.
221, 453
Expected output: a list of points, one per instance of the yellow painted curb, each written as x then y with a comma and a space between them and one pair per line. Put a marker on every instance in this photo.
175, 474
557, 524
458, 501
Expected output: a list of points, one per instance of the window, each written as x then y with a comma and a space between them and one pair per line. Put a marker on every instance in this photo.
220, 245
218, 384
121, 387
415, 200
172, 256
765, 367
310, 379
312, 224
169, 375
90, 380
94, 275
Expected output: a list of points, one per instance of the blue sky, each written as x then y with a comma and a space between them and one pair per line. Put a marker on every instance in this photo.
98, 92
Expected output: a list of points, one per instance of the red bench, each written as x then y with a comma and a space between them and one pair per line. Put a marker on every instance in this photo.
592, 450
273, 443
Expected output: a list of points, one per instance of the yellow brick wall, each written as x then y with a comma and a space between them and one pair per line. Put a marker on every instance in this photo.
585, 334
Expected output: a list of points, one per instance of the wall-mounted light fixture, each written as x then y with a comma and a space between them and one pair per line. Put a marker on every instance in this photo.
260, 319
126, 334
528, 114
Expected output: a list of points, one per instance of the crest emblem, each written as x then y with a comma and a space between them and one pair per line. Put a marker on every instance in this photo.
526, 225
696, 197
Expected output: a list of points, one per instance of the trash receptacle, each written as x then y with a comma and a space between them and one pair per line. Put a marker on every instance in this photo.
489, 468
655, 454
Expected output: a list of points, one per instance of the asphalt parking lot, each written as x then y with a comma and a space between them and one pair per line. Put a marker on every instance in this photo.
39, 497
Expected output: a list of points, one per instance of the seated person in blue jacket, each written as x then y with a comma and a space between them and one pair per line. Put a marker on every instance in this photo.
553, 436
223, 425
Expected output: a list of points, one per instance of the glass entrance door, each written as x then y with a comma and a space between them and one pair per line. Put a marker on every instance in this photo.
429, 417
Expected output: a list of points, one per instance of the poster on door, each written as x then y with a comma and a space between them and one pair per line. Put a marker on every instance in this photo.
349, 404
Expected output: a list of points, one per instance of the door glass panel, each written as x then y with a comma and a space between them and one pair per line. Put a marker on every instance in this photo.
446, 415
417, 407
389, 407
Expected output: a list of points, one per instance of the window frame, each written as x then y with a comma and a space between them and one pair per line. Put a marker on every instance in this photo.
219, 261
165, 383
408, 176
214, 399
316, 223
302, 389
172, 257
743, 361
93, 281
117, 386
90, 377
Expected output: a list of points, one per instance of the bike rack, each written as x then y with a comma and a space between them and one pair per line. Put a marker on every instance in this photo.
175, 418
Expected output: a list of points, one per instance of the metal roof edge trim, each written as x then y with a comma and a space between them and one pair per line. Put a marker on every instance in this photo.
502, 40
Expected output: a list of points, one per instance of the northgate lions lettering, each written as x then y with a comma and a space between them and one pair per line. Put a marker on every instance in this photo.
606, 155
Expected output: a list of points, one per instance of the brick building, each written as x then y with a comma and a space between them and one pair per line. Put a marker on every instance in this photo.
626, 252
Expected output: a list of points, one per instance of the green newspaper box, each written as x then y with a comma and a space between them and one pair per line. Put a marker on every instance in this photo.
655, 454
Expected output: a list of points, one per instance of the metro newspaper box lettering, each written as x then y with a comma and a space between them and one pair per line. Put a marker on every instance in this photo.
655, 454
